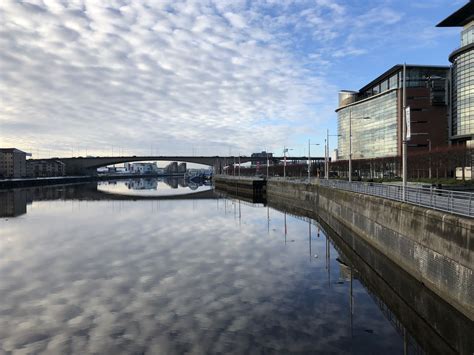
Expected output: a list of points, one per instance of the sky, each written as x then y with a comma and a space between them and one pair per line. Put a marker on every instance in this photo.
222, 77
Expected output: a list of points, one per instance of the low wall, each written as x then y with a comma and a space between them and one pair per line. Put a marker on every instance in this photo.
436, 248
247, 187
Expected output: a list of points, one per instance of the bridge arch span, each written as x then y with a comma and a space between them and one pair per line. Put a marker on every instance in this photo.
88, 165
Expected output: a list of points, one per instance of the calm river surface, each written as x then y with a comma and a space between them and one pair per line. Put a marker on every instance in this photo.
83, 273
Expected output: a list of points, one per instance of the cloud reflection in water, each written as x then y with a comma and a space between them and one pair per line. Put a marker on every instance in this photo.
174, 277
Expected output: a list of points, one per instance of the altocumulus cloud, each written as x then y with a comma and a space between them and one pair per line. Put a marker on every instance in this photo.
132, 74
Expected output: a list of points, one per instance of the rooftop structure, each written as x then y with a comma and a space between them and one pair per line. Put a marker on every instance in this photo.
461, 17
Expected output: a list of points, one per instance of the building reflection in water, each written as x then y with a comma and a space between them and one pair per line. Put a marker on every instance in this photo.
153, 183
14, 202
142, 184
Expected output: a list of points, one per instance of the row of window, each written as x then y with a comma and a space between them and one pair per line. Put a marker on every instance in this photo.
463, 93
415, 77
467, 36
374, 128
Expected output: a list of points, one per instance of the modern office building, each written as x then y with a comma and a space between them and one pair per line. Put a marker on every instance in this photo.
374, 113
462, 76
12, 163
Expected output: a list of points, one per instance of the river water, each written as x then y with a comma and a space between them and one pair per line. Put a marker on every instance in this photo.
125, 267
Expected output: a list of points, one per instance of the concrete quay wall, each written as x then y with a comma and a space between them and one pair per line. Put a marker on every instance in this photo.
435, 324
434, 247
246, 187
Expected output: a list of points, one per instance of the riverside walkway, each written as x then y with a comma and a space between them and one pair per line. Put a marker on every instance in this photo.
456, 202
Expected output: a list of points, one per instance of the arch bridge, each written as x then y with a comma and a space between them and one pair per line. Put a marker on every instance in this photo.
89, 165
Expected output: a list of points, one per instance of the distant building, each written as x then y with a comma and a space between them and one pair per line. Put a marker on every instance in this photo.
200, 172
263, 154
462, 76
374, 113
45, 168
141, 168
12, 163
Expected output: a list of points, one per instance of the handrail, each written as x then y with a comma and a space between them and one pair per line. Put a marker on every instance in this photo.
456, 202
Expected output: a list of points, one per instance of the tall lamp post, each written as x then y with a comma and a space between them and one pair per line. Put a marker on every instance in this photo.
404, 133
406, 129
326, 167
350, 140
309, 159
285, 150
268, 163
429, 153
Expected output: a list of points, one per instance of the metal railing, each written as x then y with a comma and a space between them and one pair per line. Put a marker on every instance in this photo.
457, 202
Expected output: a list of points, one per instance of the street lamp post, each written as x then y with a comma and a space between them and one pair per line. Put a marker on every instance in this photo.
350, 140
268, 163
285, 150
327, 156
350, 144
429, 152
309, 159
405, 129
404, 134
239, 166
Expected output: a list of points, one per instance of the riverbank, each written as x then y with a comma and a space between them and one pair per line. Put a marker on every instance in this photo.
435, 247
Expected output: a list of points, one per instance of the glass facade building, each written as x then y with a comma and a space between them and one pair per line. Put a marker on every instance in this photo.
374, 127
463, 95
375, 112
462, 88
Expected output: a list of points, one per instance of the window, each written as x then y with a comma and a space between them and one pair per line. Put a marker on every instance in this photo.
393, 82
467, 36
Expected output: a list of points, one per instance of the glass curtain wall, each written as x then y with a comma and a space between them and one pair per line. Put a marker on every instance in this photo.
467, 35
373, 137
416, 77
463, 94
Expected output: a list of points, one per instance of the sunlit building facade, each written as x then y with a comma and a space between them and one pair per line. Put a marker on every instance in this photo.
462, 89
374, 127
374, 113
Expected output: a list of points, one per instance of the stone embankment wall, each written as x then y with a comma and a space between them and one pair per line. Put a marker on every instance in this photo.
436, 248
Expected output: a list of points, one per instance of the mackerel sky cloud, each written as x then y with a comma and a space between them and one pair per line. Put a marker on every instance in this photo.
209, 77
